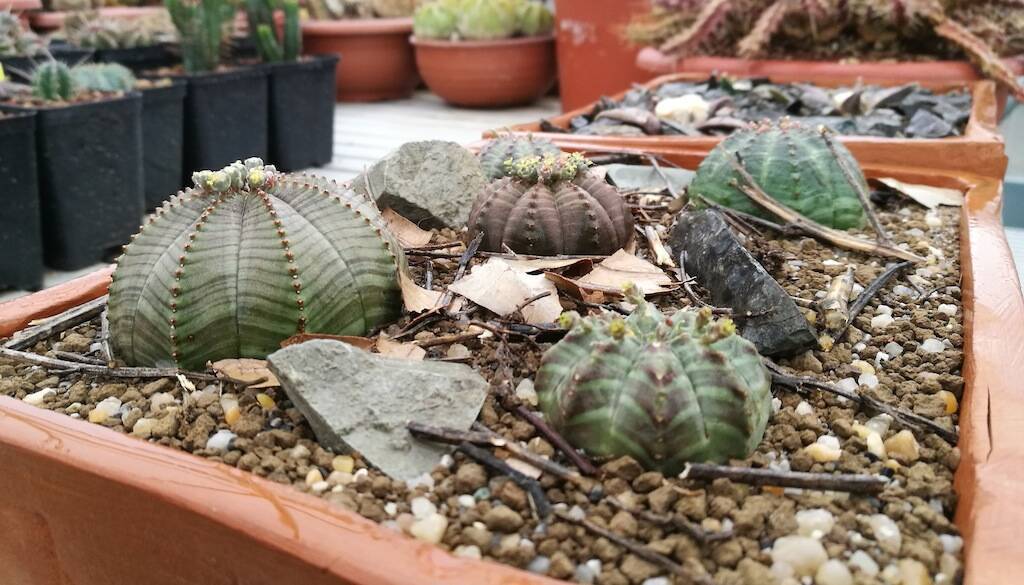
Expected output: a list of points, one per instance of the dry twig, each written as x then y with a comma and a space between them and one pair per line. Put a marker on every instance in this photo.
836, 482
67, 367
58, 324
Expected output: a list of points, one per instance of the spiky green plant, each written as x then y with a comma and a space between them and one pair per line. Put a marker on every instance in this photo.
665, 391
481, 19
103, 77
246, 259
53, 82
15, 39
799, 166
88, 29
497, 152
201, 26
551, 205
261, 27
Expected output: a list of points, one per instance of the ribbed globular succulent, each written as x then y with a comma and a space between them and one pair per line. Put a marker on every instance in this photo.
801, 167
481, 19
103, 77
52, 81
246, 259
551, 205
496, 153
663, 390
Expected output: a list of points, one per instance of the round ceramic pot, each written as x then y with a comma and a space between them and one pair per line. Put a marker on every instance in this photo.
376, 62
488, 74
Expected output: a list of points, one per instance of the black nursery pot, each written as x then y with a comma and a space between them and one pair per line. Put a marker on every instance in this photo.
225, 118
138, 58
21, 240
302, 112
163, 141
89, 157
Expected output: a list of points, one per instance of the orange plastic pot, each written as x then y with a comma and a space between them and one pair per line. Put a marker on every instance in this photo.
872, 72
488, 74
594, 58
979, 151
76, 491
377, 61
53, 20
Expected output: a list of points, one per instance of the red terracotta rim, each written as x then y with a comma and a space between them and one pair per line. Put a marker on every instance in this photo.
20, 5
497, 43
357, 26
50, 20
329, 545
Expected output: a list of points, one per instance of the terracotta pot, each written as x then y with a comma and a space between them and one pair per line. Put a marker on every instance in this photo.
51, 21
877, 72
980, 150
488, 74
593, 57
20, 7
377, 61
204, 522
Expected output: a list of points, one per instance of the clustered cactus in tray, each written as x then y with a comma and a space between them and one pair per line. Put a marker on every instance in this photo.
482, 19
245, 259
88, 29
663, 390
339, 9
15, 39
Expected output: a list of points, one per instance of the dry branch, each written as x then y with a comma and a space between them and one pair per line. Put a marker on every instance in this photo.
836, 482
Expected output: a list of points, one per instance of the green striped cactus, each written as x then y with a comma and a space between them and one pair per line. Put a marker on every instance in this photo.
53, 82
497, 154
103, 77
792, 163
246, 259
665, 391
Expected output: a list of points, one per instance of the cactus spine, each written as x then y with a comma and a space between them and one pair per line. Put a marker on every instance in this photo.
497, 152
794, 164
201, 25
53, 82
246, 259
665, 391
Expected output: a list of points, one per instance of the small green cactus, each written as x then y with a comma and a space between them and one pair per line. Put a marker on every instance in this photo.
437, 20
89, 30
534, 19
246, 259
261, 26
52, 81
201, 26
497, 152
487, 20
663, 390
15, 39
551, 205
794, 164
103, 77
481, 19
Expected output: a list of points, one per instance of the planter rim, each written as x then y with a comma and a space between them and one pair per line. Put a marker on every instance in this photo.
492, 44
356, 26
122, 97
20, 5
269, 516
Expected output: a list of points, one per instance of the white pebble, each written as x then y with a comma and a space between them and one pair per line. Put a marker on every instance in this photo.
429, 529
863, 562
848, 384
860, 347
816, 522
314, 477
299, 451
221, 440
470, 551
540, 565
881, 321
879, 424
833, 572
37, 398
587, 572
875, 445
822, 453
829, 441
881, 357
932, 345
948, 309
886, 532
803, 553
804, 408
466, 501
422, 507
447, 461
526, 392
390, 508
319, 487
894, 349
868, 380
656, 581
830, 262
951, 543
891, 575
932, 219
883, 310
903, 291
161, 399
576, 514
107, 408
776, 405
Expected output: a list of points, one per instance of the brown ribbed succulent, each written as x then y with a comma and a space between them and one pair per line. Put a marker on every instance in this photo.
551, 205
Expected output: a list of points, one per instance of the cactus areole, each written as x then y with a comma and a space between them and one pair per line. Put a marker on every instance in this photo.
246, 259
663, 390
797, 165
551, 205
498, 154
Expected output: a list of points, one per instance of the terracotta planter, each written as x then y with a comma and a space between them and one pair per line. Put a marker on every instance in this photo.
377, 61
51, 21
488, 74
879, 73
228, 526
979, 150
593, 57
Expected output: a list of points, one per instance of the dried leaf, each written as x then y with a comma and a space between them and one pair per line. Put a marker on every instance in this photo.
397, 349
502, 289
620, 269
415, 297
545, 264
930, 197
573, 288
409, 234
247, 370
360, 342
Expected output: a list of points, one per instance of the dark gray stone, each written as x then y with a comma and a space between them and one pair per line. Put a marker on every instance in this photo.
736, 280
432, 183
358, 401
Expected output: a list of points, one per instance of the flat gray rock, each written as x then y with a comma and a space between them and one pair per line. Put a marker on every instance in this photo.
736, 280
359, 401
433, 183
